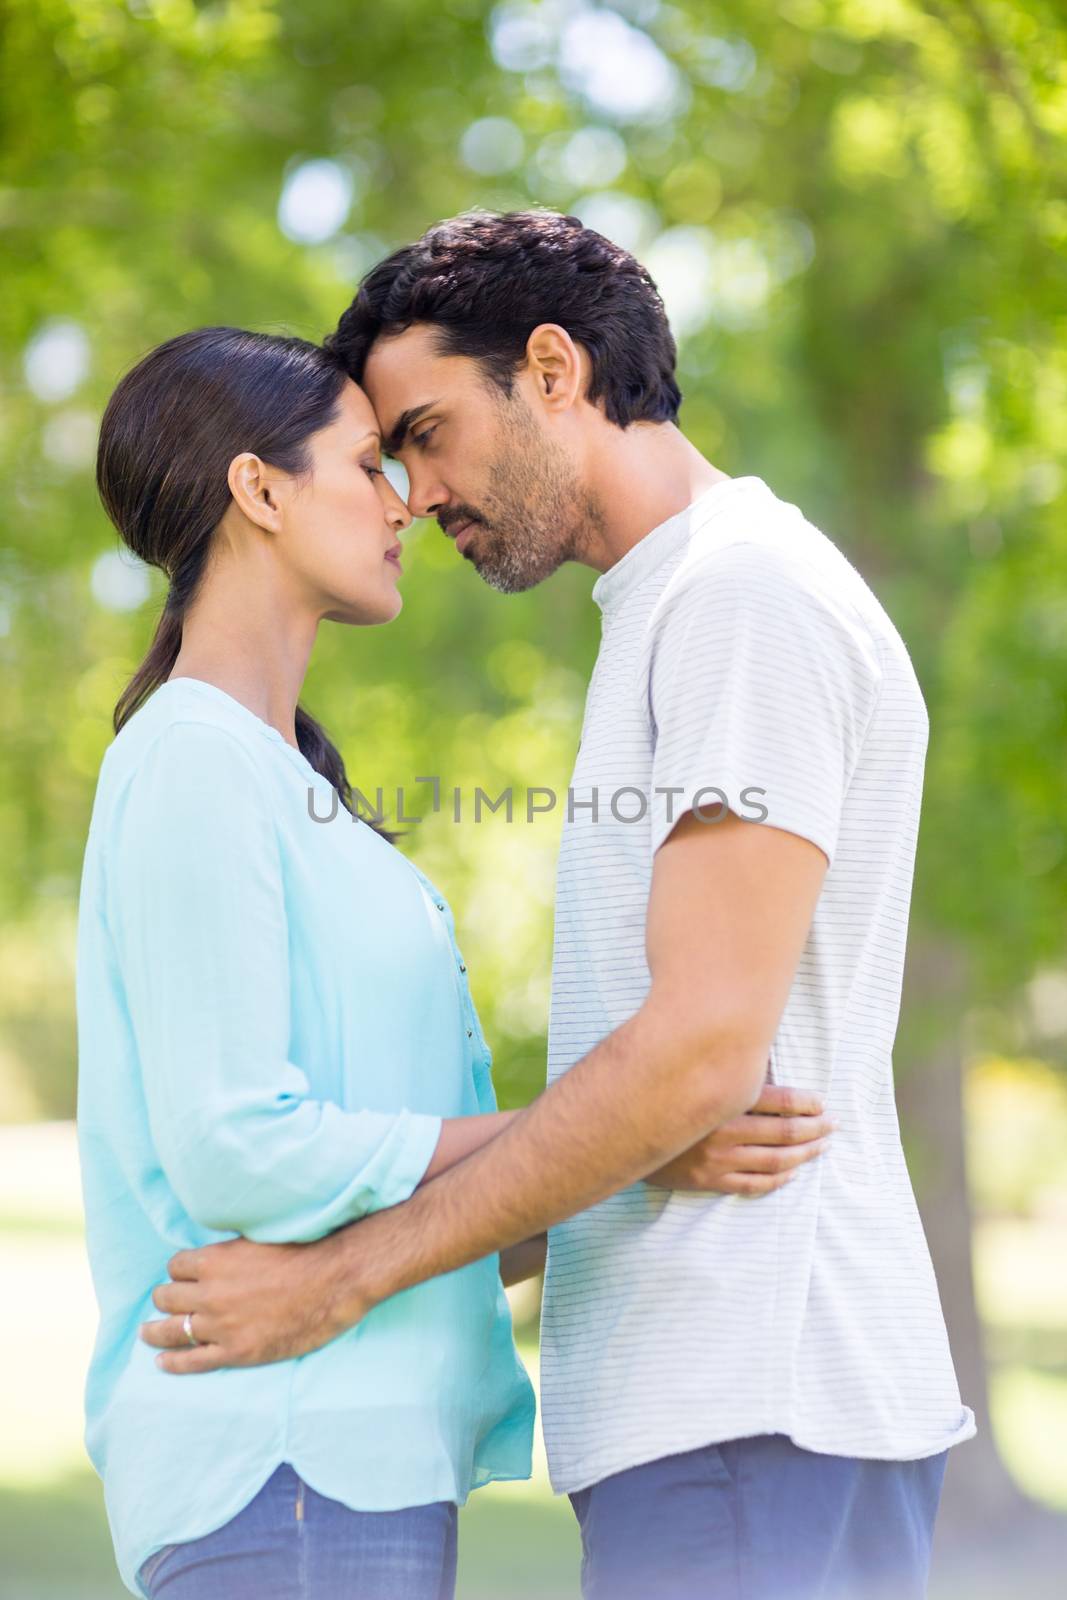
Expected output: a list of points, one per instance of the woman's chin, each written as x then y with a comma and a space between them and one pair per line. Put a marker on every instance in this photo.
367, 613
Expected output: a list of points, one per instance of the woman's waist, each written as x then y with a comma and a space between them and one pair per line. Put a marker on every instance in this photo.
418, 1341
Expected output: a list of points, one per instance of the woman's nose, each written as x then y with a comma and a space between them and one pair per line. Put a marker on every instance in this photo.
396, 512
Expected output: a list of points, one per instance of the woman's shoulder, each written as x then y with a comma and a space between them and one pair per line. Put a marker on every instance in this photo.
186, 722
179, 744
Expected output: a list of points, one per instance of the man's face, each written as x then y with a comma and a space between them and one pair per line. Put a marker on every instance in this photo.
484, 463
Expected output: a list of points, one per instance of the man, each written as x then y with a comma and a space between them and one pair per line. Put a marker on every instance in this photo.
745, 1399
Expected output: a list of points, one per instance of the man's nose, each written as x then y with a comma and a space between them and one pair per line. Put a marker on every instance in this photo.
426, 495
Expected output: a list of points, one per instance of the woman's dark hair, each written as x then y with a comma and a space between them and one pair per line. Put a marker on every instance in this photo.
485, 281
169, 433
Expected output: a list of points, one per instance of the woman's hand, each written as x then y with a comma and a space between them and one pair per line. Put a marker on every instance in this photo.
756, 1153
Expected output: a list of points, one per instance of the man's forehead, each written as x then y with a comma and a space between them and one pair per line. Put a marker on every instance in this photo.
406, 375
402, 358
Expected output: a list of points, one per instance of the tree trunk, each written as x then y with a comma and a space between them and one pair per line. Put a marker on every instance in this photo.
979, 1492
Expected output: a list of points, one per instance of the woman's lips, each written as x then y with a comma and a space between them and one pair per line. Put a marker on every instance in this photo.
393, 557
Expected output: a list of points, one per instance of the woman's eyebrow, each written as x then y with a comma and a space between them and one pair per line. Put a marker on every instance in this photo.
373, 434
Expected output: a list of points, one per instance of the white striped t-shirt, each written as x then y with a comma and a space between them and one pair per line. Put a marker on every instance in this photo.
745, 663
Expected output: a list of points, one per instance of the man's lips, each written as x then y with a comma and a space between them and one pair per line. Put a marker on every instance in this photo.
463, 536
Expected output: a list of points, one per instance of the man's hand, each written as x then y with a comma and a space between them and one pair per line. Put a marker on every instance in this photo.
257, 1303
755, 1153
250, 1304
691, 1058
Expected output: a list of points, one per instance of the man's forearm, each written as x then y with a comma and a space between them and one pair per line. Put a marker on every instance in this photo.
638, 1099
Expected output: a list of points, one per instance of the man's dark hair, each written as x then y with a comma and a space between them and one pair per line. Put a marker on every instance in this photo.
486, 280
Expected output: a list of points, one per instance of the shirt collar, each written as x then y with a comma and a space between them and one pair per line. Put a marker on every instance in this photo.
655, 547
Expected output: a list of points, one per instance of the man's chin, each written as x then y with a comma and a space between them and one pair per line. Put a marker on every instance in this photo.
506, 581
504, 575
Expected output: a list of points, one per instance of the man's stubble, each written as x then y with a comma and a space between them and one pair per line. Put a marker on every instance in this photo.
537, 512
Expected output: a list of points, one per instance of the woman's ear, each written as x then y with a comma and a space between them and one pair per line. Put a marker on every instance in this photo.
253, 486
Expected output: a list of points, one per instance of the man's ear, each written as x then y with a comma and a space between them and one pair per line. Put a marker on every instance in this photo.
252, 484
555, 363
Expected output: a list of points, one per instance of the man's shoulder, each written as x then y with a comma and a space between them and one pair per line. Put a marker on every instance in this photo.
765, 540
765, 556
765, 571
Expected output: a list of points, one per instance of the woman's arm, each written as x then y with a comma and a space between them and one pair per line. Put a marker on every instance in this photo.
522, 1261
461, 1136
756, 1152
751, 1155
196, 908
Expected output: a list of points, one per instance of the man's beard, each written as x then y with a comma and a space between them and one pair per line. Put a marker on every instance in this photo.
535, 513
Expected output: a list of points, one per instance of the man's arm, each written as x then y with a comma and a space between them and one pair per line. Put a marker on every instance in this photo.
729, 912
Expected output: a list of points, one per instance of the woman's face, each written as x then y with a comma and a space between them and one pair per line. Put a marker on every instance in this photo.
340, 526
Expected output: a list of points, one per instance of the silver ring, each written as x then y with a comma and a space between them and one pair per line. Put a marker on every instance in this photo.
187, 1324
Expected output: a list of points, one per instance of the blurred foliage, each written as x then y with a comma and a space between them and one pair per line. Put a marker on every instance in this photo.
857, 211
1017, 1133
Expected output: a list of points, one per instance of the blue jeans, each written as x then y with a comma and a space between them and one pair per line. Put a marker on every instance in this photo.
760, 1519
289, 1543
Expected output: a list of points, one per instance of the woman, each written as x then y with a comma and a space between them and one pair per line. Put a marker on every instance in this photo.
276, 1034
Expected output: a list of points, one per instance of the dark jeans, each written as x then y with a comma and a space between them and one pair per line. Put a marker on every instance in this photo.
760, 1519
290, 1543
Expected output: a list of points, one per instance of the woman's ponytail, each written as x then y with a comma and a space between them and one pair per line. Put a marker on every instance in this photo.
169, 433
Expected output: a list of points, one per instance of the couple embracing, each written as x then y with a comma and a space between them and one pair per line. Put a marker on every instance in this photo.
302, 1204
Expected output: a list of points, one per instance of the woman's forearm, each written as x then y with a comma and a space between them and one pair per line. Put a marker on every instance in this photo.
461, 1136
526, 1260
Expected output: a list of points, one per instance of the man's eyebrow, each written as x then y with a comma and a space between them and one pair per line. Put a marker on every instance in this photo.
403, 425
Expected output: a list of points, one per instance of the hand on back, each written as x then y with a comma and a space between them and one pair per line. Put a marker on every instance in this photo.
755, 1153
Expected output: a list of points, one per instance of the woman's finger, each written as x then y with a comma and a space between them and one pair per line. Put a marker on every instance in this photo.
755, 1130
770, 1159
779, 1100
752, 1184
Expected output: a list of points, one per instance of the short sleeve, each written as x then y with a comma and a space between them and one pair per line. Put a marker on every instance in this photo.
196, 904
761, 685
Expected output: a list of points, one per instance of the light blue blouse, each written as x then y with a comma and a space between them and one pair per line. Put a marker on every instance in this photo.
273, 1019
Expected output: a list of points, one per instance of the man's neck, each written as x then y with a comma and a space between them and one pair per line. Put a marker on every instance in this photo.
642, 476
